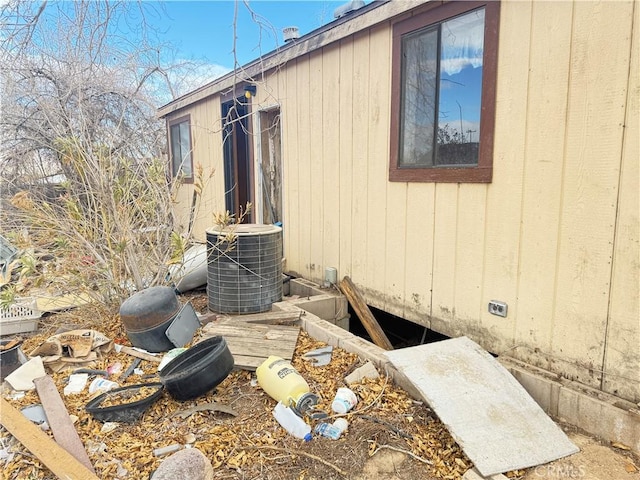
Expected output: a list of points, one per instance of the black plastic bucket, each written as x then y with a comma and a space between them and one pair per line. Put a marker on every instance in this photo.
146, 316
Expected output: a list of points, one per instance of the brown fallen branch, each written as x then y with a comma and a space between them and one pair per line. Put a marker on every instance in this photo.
390, 426
212, 406
295, 452
406, 452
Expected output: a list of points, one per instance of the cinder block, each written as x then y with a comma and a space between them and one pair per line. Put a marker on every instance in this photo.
324, 331
323, 306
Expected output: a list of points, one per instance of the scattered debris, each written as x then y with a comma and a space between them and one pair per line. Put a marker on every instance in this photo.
251, 443
368, 370
11, 343
170, 355
22, 378
58, 419
319, 357
135, 364
134, 352
35, 413
56, 458
73, 348
77, 382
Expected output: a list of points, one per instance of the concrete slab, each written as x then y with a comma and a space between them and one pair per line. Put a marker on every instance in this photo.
491, 416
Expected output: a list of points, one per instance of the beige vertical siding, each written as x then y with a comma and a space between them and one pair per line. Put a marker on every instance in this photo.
206, 138
555, 235
622, 348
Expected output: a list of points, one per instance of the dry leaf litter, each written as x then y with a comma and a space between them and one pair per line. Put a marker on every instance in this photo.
250, 445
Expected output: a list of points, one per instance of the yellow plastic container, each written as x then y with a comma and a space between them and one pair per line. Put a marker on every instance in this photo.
283, 383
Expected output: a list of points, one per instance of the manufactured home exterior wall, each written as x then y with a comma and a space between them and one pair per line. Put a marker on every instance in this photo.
554, 235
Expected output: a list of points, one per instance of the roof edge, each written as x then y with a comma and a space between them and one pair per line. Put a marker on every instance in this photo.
376, 12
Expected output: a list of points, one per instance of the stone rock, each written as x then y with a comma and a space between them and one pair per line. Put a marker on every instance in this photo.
189, 463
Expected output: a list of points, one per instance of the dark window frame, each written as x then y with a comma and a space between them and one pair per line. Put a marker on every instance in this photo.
435, 14
176, 121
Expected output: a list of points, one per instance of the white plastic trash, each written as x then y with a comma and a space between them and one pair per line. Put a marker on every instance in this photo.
344, 401
291, 422
333, 431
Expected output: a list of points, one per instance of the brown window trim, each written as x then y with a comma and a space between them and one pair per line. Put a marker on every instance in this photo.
170, 123
482, 173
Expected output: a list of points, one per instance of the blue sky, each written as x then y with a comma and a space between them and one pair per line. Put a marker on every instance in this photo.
203, 30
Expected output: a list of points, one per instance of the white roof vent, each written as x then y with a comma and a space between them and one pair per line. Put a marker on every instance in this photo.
290, 33
347, 8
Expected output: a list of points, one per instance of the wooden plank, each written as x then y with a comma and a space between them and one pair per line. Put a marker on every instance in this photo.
58, 419
364, 314
251, 344
135, 353
53, 456
268, 318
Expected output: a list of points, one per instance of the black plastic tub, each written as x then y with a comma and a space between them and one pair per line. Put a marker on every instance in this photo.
197, 370
9, 359
125, 412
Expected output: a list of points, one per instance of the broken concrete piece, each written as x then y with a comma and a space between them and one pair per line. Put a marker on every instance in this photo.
190, 463
491, 416
368, 370
22, 378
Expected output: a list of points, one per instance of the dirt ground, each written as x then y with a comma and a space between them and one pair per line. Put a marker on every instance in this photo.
595, 461
390, 437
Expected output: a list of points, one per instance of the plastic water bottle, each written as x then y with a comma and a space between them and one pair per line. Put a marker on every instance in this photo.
332, 431
291, 422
